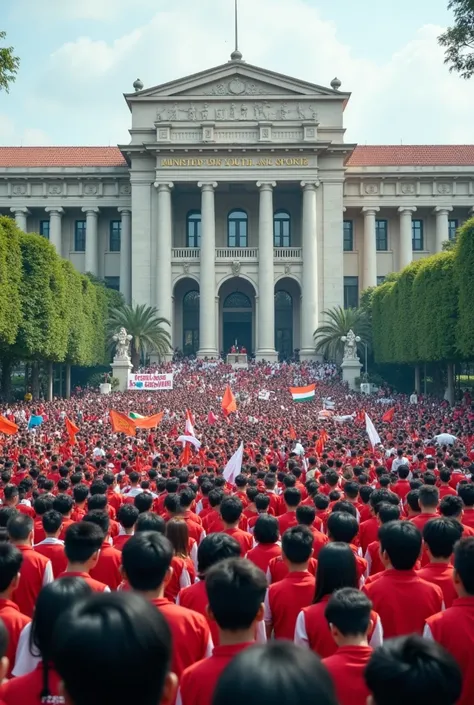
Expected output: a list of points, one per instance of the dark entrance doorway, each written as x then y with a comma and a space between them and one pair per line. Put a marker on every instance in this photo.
237, 321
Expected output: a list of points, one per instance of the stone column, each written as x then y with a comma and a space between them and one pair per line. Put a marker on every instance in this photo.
310, 279
68, 381
50, 381
164, 241
126, 254
369, 266
266, 282
442, 225
55, 231
21, 216
406, 236
91, 260
207, 273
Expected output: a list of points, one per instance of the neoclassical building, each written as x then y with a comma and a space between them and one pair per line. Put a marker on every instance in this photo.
237, 208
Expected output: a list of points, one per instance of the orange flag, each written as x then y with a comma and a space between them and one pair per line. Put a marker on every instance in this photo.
149, 421
121, 423
7, 427
71, 429
388, 416
228, 401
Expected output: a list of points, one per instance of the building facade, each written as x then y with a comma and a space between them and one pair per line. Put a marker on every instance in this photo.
237, 208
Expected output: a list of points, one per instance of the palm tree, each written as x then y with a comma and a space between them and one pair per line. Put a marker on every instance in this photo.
339, 322
146, 328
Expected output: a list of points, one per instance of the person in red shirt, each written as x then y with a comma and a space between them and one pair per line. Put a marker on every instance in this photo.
385, 512
267, 537
466, 492
343, 526
368, 530
174, 510
452, 507
440, 536
285, 599
444, 484
10, 564
402, 485
127, 516
146, 561
403, 599
236, 590
80, 494
82, 547
348, 615
454, 628
107, 568
292, 499
64, 504
114, 648
52, 547
231, 511
42, 684
428, 498
307, 517
42, 504
184, 572
36, 570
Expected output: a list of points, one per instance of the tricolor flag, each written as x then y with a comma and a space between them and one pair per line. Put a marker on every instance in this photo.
303, 393
134, 415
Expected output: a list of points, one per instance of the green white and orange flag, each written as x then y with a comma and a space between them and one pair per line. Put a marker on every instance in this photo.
303, 393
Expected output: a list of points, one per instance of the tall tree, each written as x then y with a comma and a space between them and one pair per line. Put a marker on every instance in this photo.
339, 322
9, 64
146, 328
458, 40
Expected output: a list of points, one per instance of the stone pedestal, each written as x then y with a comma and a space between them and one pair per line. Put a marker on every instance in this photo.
105, 388
350, 371
238, 361
121, 370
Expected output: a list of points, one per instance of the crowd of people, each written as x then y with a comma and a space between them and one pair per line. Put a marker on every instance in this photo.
332, 568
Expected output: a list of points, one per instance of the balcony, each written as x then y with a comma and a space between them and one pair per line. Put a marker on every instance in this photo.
230, 254
288, 254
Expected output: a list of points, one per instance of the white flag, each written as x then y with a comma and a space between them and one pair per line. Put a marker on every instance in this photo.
190, 439
233, 467
374, 437
189, 428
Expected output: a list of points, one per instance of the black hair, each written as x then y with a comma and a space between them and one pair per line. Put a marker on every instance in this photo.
98, 487
128, 515
4, 638
52, 521
216, 547
336, 569
428, 496
19, 527
262, 502
80, 492
412, 500
236, 589
107, 634
413, 671
305, 515
466, 492
402, 541
344, 506
231, 509
63, 503
440, 535
342, 527
277, 673
147, 521
146, 558
388, 512
349, 610
451, 506
97, 501
6, 513
292, 496
464, 563
99, 518
43, 504
81, 541
297, 544
266, 529
143, 502
11, 559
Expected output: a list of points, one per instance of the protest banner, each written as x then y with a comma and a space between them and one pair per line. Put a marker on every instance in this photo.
150, 382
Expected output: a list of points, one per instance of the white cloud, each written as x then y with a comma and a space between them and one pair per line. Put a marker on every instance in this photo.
30, 136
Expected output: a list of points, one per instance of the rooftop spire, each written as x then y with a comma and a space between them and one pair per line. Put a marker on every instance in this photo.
236, 54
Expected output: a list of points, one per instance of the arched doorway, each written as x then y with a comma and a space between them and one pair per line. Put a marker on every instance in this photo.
287, 308
186, 316
237, 314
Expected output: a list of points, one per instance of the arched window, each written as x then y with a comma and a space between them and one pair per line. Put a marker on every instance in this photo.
283, 300
237, 228
283, 324
237, 300
193, 229
282, 229
191, 322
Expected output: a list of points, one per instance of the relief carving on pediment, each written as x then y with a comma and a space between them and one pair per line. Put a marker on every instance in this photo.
264, 110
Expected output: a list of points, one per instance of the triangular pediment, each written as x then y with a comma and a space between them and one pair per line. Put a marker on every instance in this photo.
236, 79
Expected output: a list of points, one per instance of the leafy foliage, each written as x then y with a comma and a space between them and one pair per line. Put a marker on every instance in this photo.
458, 40
464, 272
146, 328
10, 280
9, 64
339, 322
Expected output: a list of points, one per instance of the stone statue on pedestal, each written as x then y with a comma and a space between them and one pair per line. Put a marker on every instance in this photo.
350, 346
122, 349
351, 364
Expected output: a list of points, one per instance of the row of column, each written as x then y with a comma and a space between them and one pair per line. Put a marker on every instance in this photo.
91, 257
369, 272
208, 341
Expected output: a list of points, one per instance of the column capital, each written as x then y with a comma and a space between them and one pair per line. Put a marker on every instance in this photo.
90, 209
59, 211
310, 185
370, 210
123, 210
20, 209
207, 185
442, 210
164, 188
266, 185
406, 209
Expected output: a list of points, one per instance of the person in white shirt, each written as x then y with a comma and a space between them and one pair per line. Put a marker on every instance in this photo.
98, 451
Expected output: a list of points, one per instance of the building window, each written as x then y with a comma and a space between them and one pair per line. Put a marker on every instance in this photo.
381, 235
114, 235
237, 228
112, 283
380, 280
191, 323
282, 229
80, 236
237, 300
417, 235
348, 236
453, 225
44, 228
351, 292
193, 229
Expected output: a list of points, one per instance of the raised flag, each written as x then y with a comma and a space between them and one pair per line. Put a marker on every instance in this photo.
211, 418
134, 415
234, 466
189, 426
388, 416
360, 418
7, 427
374, 437
36, 420
121, 423
228, 401
190, 439
71, 429
149, 421
303, 393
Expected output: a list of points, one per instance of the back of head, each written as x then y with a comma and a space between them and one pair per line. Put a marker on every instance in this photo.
336, 569
178, 533
401, 541
11, 559
440, 535
216, 547
127, 515
466, 492
342, 527
110, 634
413, 671
150, 522
20, 527
6, 513
428, 497
348, 610
236, 591
387, 512
146, 558
266, 529
231, 509
143, 501
82, 540
297, 544
278, 673
292, 497
305, 515
464, 563
52, 521
451, 506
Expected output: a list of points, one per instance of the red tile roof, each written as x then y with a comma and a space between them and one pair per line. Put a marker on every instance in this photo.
413, 155
60, 156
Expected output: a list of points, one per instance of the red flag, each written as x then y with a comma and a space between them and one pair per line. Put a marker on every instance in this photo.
7, 427
189, 426
388, 416
186, 454
71, 429
292, 433
228, 402
211, 418
149, 421
121, 423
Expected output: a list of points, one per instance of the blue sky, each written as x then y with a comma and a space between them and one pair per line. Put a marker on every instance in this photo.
79, 56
